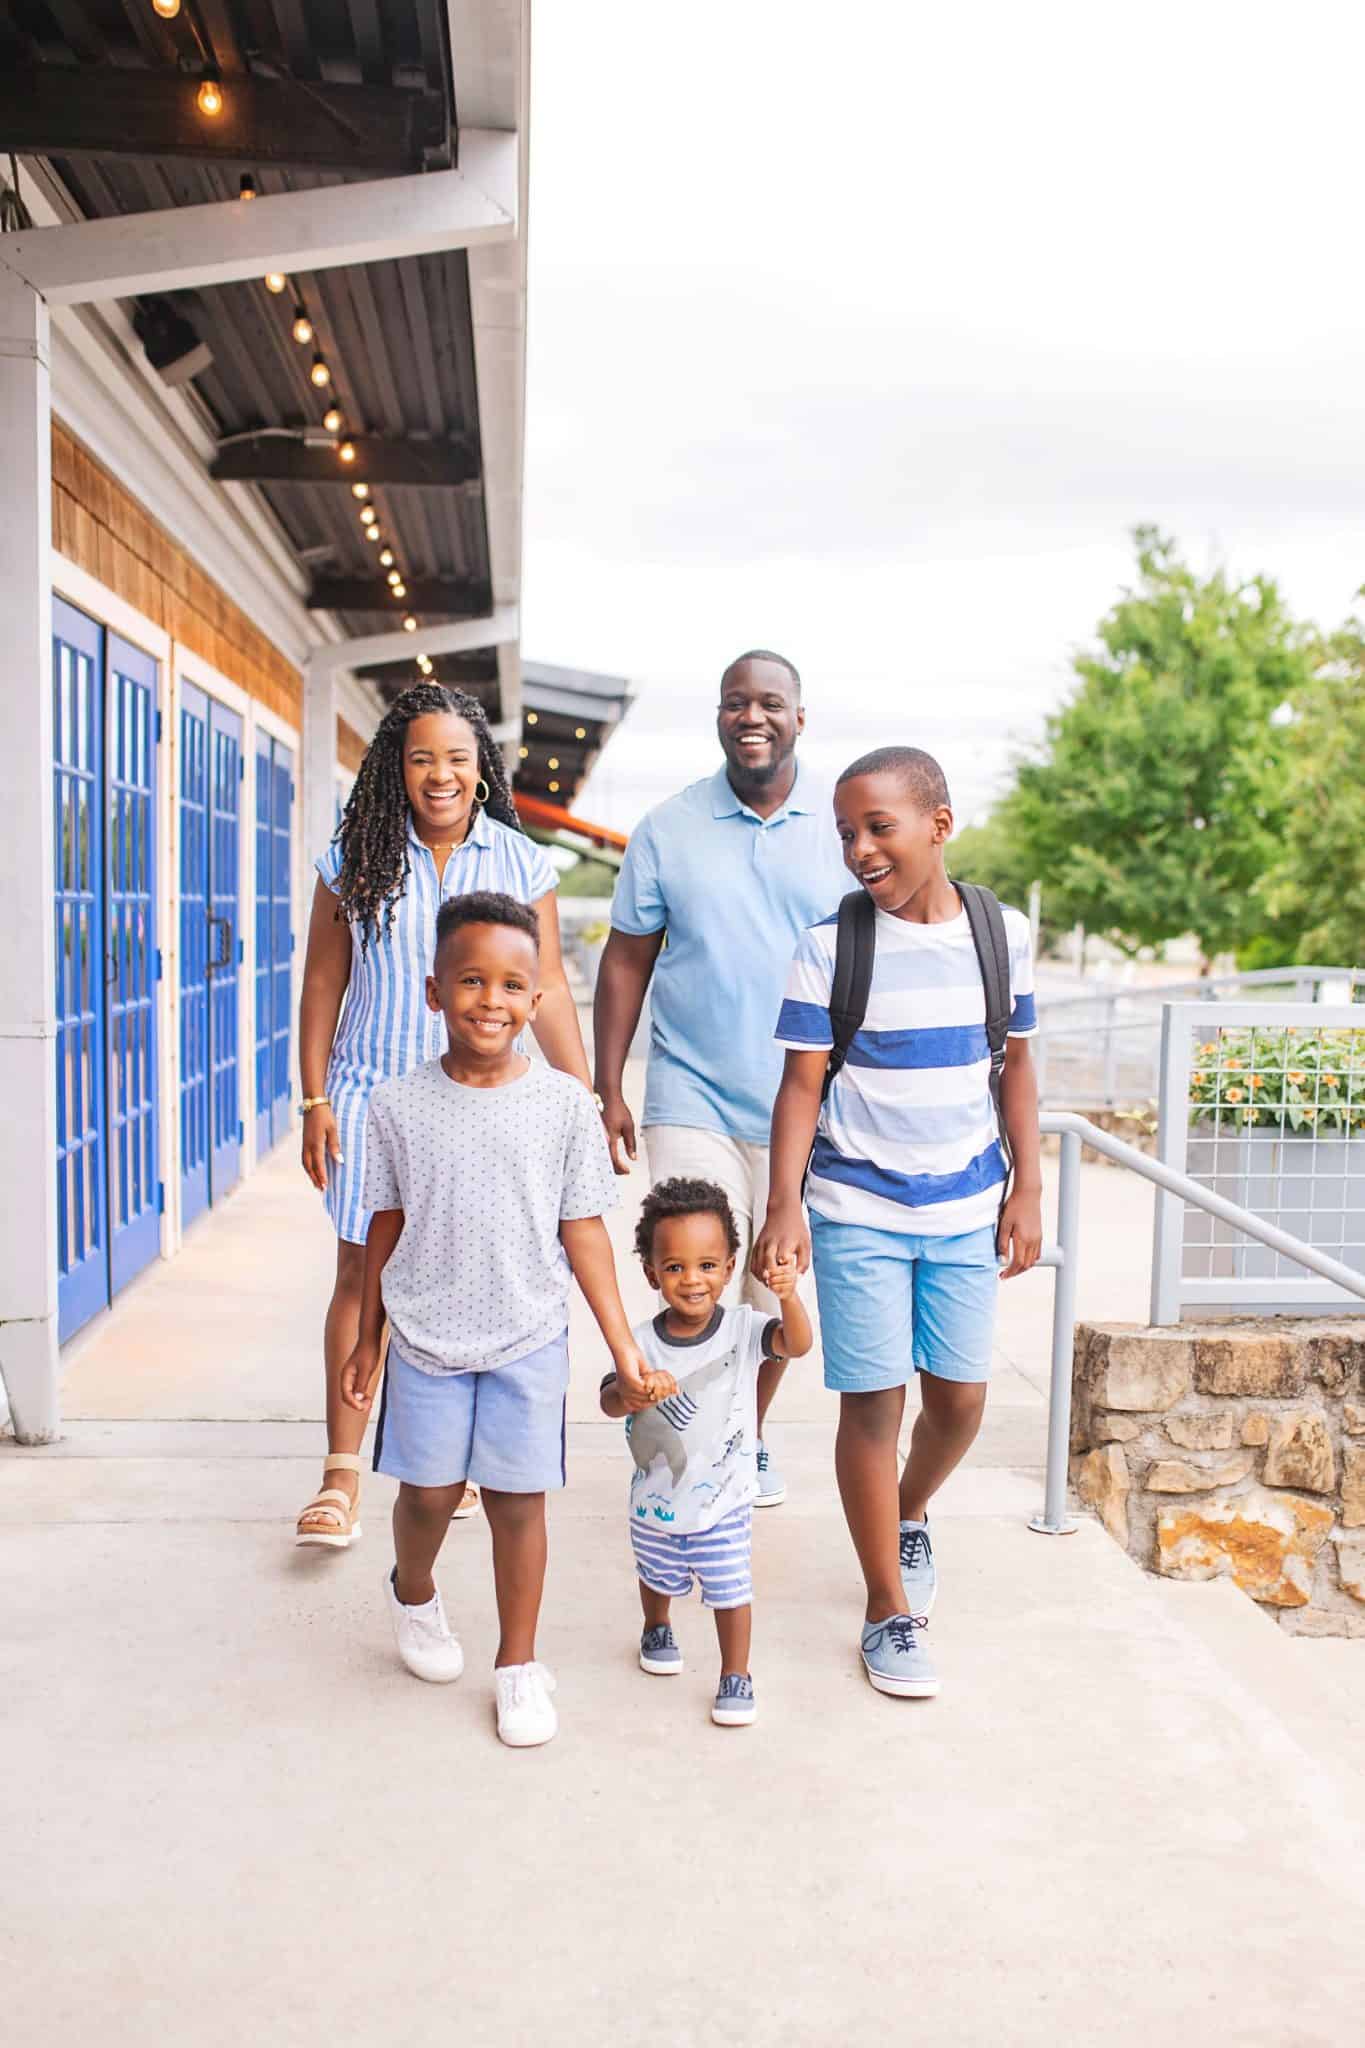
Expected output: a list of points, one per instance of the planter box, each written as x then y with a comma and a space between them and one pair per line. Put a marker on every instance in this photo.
1312, 1187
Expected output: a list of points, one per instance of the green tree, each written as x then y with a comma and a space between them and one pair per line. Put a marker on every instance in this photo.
1157, 803
1317, 887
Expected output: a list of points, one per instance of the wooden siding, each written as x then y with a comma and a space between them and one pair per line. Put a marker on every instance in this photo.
101, 527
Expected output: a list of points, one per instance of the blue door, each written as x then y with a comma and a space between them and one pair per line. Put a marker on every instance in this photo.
210, 949
107, 965
130, 916
78, 818
274, 938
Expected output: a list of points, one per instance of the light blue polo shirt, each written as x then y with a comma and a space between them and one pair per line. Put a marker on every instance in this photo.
734, 892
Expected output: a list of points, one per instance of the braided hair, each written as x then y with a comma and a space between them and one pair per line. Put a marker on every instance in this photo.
373, 833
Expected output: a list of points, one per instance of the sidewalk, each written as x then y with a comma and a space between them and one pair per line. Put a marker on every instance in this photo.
231, 1817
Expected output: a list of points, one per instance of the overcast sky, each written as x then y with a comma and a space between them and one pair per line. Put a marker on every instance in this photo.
868, 333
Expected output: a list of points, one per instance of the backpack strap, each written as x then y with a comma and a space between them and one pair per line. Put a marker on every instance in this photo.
993, 957
854, 953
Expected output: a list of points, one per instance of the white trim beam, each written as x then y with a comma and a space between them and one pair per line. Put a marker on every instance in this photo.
462, 636
379, 221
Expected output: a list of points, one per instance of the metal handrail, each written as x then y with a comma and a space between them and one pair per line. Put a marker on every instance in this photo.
1172, 991
1074, 1131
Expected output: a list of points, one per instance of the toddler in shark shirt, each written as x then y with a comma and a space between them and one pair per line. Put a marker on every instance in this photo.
696, 1467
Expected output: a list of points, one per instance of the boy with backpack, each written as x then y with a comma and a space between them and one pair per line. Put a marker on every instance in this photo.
908, 1097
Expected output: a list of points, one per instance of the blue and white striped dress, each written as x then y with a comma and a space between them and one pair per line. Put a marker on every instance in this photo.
385, 1027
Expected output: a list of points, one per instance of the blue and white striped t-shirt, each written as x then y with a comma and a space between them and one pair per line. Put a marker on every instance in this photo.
907, 1137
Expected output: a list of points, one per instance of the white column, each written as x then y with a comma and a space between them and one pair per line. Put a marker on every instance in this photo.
318, 767
28, 1086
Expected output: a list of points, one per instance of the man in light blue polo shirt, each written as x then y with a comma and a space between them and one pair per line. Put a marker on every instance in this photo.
732, 870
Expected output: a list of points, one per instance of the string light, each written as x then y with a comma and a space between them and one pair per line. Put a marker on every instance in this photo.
361, 491
401, 590
167, 9
347, 451
275, 281
386, 559
523, 753
303, 326
580, 732
554, 761
424, 663
554, 788
394, 578
209, 98
532, 718
368, 515
409, 624
373, 533
320, 373
331, 419
246, 186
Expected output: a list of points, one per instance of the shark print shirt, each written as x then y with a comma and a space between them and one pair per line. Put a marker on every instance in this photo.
696, 1453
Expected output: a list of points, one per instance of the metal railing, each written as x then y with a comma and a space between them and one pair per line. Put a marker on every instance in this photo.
1073, 1131
1102, 1050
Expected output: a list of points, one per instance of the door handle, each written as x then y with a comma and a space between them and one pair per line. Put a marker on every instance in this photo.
223, 959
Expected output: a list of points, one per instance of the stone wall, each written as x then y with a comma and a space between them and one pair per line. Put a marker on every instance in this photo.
1232, 1449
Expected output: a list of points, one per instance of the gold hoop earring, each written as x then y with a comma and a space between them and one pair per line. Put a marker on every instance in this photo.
481, 791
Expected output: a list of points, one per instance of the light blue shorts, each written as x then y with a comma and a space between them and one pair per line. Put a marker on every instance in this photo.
717, 1559
892, 1305
503, 1428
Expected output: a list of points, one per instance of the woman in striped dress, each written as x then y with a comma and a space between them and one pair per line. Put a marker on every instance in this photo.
431, 816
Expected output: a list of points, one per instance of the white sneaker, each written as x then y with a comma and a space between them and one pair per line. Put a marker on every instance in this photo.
424, 1638
526, 1714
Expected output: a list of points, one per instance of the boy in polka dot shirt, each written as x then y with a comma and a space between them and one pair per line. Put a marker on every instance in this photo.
488, 1177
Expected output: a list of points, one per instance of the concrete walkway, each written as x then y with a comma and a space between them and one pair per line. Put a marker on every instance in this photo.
229, 1815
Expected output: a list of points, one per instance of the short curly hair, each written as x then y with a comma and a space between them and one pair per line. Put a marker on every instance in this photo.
486, 906
682, 1197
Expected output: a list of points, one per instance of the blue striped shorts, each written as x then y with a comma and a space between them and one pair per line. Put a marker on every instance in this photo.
717, 1559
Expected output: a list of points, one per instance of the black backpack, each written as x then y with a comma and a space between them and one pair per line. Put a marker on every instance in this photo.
853, 957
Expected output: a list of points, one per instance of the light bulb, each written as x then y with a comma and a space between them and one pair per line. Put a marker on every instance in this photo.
368, 515
320, 373
580, 732
361, 491
394, 578
553, 788
386, 559
167, 9
533, 718
347, 451
209, 98
246, 186
424, 663
303, 326
409, 624
331, 419
400, 589
523, 753
554, 761
275, 281
372, 533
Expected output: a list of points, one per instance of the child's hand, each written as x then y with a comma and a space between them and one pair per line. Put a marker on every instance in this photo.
359, 1374
639, 1385
785, 1235
1020, 1236
780, 1277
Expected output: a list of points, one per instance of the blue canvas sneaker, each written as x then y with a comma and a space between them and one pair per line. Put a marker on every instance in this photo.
733, 1706
659, 1652
896, 1660
917, 1568
772, 1487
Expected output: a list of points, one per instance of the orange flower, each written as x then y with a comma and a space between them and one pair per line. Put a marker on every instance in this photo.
1235, 1094
1297, 1076
1232, 1066
1196, 1080
1258, 1080
1330, 1079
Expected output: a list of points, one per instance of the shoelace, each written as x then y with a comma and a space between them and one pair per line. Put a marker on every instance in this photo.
901, 1629
734, 1688
915, 1548
762, 1459
525, 1677
659, 1638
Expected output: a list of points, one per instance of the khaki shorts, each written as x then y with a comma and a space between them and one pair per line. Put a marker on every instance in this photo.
675, 1151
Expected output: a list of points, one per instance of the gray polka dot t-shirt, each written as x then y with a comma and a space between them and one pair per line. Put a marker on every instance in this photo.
484, 1177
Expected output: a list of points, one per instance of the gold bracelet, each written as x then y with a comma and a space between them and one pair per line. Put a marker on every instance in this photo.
314, 1102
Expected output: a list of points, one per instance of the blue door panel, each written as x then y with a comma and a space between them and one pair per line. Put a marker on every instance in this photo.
274, 938
194, 914
130, 738
224, 844
78, 819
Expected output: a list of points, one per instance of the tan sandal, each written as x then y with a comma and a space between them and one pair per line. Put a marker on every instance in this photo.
329, 1520
469, 1504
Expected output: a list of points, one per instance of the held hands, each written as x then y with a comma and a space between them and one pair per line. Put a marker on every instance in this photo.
783, 1241
358, 1376
1019, 1239
780, 1278
637, 1382
321, 1142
